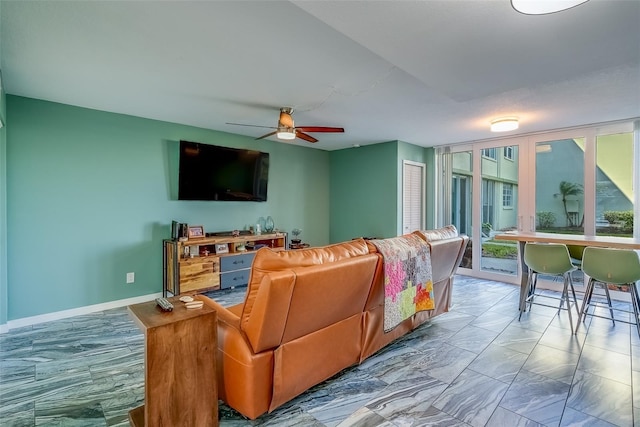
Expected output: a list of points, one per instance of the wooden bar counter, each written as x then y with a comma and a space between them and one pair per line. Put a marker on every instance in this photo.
568, 239
180, 365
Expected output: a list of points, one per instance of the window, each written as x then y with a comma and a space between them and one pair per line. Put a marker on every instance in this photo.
508, 153
490, 153
507, 195
614, 192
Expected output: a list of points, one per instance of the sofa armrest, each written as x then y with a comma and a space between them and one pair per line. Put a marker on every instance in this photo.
264, 325
228, 315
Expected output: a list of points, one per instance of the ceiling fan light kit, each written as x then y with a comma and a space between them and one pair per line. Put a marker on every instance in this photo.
286, 133
286, 130
504, 124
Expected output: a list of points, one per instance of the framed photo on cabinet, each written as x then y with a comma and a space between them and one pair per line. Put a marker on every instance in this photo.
195, 231
222, 248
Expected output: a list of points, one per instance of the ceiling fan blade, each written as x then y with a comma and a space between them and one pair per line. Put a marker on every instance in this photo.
319, 129
253, 126
269, 134
305, 136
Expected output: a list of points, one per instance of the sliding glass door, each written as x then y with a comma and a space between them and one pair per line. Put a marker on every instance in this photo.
578, 181
498, 197
487, 177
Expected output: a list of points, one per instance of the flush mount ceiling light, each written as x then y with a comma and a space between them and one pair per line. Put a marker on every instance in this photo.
542, 7
504, 124
286, 133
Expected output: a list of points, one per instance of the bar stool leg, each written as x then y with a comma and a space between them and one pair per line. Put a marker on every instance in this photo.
635, 302
565, 297
575, 300
608, 295
585, 303
527, 294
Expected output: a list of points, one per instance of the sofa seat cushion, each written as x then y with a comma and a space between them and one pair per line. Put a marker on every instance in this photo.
313, 358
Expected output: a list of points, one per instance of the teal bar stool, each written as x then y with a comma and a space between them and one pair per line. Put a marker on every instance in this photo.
611, 266
550, 259
575, 252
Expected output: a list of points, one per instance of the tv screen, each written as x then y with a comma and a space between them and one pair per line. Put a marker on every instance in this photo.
209, 172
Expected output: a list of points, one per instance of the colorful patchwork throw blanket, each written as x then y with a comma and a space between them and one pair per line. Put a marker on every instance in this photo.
407, 278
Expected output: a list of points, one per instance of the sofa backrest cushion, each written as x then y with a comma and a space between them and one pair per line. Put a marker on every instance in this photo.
268, 260
327, 294
445, 232
446, 254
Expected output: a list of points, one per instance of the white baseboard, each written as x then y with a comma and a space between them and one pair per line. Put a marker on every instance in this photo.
33, 320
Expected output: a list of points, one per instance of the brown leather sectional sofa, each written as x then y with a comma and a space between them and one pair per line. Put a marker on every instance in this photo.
310, 313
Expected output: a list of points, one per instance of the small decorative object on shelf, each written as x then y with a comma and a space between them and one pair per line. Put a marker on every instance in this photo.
260, 225
296, 232
268, 225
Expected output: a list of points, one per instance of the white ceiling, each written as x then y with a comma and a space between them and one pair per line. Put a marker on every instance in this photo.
424, 72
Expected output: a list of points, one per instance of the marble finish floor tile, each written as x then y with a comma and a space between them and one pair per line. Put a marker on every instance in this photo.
499, 362
537, 398
518, 339
473, 338
605, 363
472, 398
476, 365
502, 417
552, 363
602, 398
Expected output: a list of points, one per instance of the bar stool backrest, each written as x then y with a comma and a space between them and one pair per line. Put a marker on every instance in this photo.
547, 258
576, 251
609, 265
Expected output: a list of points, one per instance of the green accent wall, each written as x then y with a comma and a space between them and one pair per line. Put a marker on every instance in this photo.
364, 192
366, 189
89, 198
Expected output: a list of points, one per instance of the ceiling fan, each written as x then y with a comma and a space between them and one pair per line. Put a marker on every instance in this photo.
287, 130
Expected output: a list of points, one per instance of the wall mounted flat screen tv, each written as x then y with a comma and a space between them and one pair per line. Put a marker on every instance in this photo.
209, 172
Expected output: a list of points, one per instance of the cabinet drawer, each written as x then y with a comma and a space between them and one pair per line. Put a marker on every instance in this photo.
234, 278
236, 262
198, 273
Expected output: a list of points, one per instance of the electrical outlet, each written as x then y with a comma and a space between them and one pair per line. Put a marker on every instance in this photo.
131, 277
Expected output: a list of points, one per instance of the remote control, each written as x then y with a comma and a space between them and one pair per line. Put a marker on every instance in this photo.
164, 304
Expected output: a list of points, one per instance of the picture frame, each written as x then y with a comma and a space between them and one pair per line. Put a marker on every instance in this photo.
222, 248
195, 231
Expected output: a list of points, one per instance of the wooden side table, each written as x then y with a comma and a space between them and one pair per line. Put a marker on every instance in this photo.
180, 365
